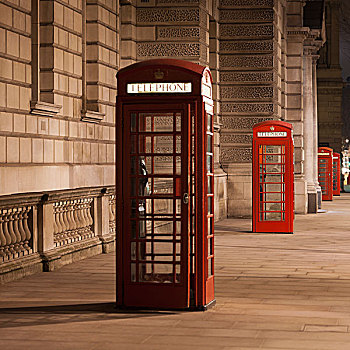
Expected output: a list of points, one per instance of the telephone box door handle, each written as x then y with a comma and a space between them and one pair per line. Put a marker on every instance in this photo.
185, 198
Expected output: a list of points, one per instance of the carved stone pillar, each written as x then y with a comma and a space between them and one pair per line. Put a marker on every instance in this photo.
309, 130
315, 167
294, 111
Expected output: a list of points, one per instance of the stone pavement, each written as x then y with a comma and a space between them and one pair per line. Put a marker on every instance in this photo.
273, 291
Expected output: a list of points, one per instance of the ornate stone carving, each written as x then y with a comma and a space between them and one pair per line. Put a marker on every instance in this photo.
246, 107
167, 15
246, 15
246, 61
243, 123
246, 77
165, 49
178, 32
232, 30
249, 46
246, 92
237, 155
234, 138
246, 3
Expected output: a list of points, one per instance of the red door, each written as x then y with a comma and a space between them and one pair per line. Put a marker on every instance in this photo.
325, 172
336, 174
156, 186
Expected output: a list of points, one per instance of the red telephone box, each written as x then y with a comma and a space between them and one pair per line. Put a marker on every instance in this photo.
273, 177
336, 174
165, 186
325, 172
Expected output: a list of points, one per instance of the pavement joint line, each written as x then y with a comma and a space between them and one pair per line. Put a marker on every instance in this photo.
284, 249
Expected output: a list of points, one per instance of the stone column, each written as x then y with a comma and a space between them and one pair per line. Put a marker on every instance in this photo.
315, 170
309, 130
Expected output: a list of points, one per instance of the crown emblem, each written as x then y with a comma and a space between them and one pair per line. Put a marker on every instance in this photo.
158, 74
272, 128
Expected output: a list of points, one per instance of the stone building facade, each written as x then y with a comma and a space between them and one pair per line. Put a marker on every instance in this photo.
58, 62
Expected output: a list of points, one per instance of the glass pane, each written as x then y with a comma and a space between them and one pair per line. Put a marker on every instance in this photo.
209, 123
133, 273
210, 205
163, 206
133, 122
164, 122
163, 165
209, 143
156, 273
163, 144
133, 229
273, 216
272, 197
178, 122
210, 189
210, 226
163, 228
133, 250
209, 165
142, 228
133, 163
163, 185
272, 206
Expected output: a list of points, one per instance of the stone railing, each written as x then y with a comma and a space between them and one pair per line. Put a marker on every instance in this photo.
43, 231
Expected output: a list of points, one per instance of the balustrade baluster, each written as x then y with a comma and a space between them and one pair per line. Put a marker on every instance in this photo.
15, 219
76, 218
26, 228
3, 241
90, 218
9, 239
63, 224
21, 229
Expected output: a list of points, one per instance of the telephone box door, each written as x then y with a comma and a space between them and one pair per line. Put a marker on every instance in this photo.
325, 172
336, 174
273, 177
155, 185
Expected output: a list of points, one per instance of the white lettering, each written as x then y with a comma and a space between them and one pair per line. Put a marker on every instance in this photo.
142, 88
272, 134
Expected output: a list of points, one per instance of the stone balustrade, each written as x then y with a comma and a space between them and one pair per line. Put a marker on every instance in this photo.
43, 231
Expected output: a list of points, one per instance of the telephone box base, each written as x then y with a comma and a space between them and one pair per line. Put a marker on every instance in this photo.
152, 309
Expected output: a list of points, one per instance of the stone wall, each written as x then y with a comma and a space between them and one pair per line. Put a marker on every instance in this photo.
250, 87
58, 88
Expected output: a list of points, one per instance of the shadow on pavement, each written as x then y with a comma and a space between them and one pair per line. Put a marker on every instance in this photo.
55, 314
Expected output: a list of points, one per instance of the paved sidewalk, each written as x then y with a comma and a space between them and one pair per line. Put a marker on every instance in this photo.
273, 291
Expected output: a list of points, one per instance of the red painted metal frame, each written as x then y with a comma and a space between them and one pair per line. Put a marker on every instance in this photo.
263, 219
198, 289
336, 174
325, 172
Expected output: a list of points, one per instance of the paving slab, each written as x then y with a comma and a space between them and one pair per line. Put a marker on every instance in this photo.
273, 291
